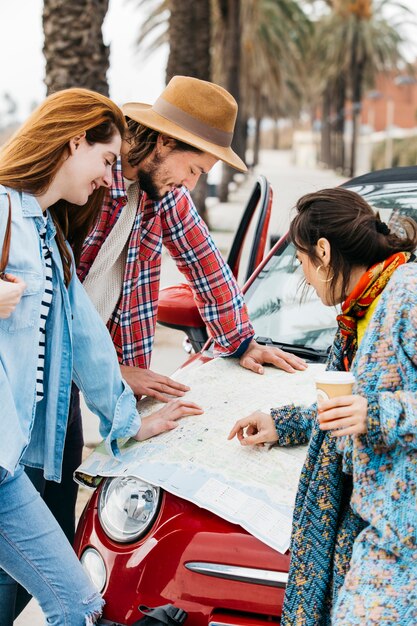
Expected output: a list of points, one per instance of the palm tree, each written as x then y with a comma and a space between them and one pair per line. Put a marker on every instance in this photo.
355, 41
74, 50
274, 37
268, 45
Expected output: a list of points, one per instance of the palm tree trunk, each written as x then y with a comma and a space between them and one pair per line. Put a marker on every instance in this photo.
332, 129
189, 55
257, 141
275, 145
232, 54
339, 160
257, 135
325, 128
357, 73
74, 49
189, 39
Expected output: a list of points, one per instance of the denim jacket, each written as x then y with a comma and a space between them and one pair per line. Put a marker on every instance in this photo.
78, 347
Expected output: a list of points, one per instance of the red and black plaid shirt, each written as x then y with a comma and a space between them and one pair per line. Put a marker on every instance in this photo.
174, 222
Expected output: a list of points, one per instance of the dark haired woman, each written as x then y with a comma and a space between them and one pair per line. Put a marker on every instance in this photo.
349, 256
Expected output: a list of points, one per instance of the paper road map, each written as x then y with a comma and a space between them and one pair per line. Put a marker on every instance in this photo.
251, 486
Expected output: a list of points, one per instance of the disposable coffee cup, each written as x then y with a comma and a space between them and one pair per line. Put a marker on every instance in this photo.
333, 384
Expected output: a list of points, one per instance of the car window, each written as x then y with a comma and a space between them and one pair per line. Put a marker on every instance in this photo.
391, 200
282, 310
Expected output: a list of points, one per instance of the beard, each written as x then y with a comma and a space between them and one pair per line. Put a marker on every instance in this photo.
147, 184
147, 178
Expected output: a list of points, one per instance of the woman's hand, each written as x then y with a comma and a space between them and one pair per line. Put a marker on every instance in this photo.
256, 428
11, 290
165, 418
345, 415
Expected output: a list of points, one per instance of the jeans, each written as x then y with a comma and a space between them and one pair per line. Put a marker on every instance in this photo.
60, 497
35, 552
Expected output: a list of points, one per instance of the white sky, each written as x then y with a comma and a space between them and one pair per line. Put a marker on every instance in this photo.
131, 77
22, 66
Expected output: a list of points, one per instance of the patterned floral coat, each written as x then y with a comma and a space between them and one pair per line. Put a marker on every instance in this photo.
324, 525
384, 463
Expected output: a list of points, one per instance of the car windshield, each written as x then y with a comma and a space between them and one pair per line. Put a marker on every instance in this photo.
388, 198
282, 310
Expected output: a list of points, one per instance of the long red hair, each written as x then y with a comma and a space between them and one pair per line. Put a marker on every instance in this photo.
29, 161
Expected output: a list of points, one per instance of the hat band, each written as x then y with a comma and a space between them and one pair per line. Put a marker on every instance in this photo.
191, 124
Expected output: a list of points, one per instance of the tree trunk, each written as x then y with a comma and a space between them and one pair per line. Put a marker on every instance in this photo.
74, 49
276, 135
257, 136
357, 73
256, 141
189, 39
232, 55
340, 123
189, 55
245, 135
333, 138
325, 128
355, 124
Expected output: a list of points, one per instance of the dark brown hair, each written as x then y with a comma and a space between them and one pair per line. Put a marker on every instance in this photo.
143, 141
355, 232
30, 160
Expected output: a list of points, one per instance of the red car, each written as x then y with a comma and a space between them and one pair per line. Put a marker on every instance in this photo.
171, 551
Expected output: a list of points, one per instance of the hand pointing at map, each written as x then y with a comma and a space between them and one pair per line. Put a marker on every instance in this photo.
255, 429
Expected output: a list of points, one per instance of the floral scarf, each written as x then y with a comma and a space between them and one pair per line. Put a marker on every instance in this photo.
367, 289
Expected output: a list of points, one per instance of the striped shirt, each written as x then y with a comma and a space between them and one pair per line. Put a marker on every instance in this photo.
45, 307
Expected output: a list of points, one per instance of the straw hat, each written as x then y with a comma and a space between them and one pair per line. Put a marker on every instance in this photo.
196, 112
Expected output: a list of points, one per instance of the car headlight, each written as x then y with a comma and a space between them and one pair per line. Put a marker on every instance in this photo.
127, 507
93, 564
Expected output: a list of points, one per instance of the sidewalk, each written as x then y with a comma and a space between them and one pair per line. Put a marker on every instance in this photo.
288, 183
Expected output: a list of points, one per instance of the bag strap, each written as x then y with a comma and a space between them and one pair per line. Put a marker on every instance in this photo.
6, 243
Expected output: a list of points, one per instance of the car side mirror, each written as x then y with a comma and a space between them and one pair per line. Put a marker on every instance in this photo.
177, 309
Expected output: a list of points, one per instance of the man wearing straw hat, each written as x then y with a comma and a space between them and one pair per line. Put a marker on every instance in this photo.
168, 146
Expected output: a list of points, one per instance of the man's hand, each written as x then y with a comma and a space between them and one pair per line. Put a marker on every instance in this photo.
257, 355
165, 418
344, 415
147, 383
11, 290
256, 428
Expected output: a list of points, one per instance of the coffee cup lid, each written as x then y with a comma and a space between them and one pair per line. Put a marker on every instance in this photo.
335, 378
